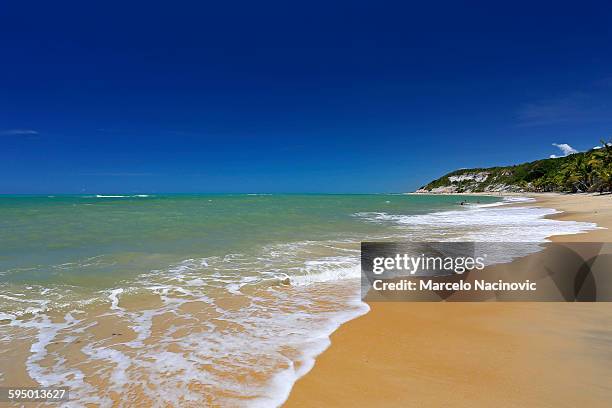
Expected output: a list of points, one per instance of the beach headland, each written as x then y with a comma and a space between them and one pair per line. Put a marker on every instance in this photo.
513, 354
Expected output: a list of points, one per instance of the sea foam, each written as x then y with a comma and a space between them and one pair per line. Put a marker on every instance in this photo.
269, 313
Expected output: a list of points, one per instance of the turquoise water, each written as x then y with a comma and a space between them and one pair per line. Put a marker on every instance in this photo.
219, 300
204, 300
95, 241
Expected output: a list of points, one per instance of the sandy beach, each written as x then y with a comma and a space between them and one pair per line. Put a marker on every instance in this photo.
182, 337
474, 354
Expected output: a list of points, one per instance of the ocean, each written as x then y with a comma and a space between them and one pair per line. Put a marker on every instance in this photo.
205, 300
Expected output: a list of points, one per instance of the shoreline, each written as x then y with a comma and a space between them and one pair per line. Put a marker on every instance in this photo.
100, 341
474, 354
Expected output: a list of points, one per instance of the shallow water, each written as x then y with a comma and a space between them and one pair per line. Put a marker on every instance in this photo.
221, 299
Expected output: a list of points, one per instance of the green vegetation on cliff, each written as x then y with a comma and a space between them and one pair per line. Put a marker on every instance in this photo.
587, 171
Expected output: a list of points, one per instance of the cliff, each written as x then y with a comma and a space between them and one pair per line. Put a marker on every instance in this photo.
586, 171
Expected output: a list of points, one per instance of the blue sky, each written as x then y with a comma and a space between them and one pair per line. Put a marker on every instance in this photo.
244, 96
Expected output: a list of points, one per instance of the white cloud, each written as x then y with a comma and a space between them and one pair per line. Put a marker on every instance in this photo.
599, 147
19, 132
565, 148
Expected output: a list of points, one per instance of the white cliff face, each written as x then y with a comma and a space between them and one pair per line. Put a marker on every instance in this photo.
444, 190
472, 182
477, 177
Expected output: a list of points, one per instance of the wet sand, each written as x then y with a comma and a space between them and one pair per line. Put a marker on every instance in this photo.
402, 354
474, 354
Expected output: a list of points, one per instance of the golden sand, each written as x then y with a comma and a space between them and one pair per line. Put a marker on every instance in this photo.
474, 354
420, 354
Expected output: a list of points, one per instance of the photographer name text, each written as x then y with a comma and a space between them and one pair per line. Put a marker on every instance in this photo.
432, 284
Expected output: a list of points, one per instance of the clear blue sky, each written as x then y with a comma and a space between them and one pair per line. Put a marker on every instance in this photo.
246, 96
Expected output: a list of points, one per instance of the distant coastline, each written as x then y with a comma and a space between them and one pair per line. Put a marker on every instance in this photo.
475, 193
589, 171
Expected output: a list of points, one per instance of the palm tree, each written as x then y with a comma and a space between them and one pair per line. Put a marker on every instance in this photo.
580, 174
607, 151
600, 161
